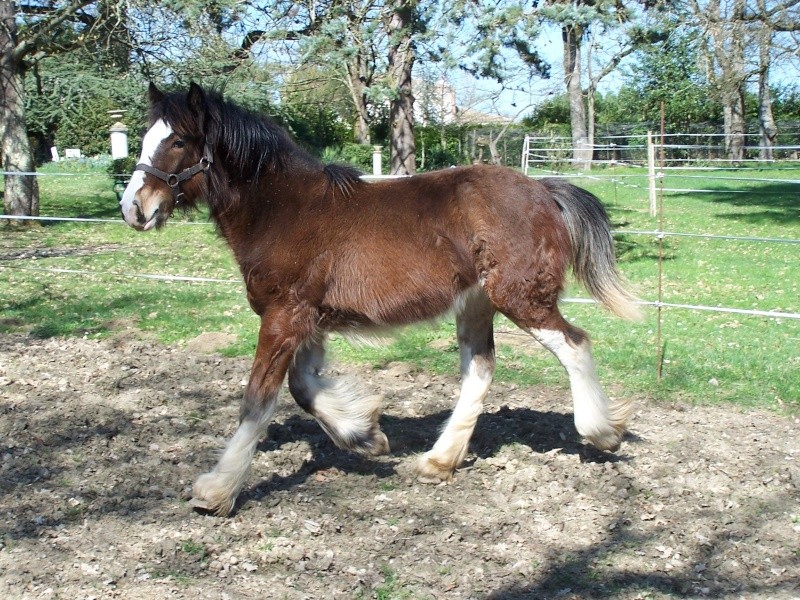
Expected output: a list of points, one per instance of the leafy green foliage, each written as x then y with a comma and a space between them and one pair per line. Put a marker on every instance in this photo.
315, 126
786, 103
68, 100
668, 72
553, 111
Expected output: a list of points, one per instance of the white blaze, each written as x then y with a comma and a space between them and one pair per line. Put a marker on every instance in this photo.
152, 139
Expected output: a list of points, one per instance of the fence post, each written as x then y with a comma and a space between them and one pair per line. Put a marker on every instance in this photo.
377, 158
651, 172
526, 148
119, 135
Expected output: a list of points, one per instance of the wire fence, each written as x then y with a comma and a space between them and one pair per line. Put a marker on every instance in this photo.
676, 152
616, 179
680, 150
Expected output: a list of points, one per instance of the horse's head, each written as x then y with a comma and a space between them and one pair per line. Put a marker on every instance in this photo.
175, 155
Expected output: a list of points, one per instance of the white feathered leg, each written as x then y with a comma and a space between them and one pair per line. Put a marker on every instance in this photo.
347, 414
596, 418
474, 316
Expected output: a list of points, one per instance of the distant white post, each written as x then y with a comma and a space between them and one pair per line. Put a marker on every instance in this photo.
377, 158
119, 136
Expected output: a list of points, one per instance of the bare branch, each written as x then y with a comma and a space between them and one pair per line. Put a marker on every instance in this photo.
47, 27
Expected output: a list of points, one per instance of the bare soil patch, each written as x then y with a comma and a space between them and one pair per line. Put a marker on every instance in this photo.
100, 442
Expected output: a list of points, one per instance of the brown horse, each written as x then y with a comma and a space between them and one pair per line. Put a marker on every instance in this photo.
322, 250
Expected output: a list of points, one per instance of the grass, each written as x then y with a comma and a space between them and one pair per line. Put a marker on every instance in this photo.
708, 357
391, 589
192, 547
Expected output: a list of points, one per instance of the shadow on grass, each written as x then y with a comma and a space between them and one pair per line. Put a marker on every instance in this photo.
769, 203
632, 248
51, 313
637, 248
75, 317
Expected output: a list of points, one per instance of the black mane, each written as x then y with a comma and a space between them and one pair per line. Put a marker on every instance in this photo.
342, 178
247, 143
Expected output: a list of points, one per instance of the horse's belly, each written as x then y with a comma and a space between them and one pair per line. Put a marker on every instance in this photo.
396, 292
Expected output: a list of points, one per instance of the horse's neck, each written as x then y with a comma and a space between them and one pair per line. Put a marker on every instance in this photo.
244, 211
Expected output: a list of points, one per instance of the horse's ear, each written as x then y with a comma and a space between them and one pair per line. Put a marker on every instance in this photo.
196, 99
156, 95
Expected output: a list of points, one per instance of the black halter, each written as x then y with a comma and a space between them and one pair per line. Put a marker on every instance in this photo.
174, 180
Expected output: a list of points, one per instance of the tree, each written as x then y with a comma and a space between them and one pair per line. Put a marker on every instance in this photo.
767, 128
27, 35
668, 72
737, 30
771, 20
67, 99
402, 23
577, 20
370, 45
21, 196
360, 70
330, 42
188, 40
725, 56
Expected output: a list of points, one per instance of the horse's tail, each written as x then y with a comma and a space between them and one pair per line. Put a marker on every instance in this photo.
593, 260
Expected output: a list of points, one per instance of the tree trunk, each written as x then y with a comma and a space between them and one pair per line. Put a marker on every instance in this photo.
357, 83
497, 159
361, 132
766, 121
734, 122
401, 63
590, 119
733, 101
581, 149
729, 45
21, 196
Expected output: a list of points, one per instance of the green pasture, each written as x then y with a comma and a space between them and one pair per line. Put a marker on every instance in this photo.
707, 356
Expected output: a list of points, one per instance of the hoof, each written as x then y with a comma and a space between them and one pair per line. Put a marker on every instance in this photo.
209, 496
376, 444
608, 441
430, 470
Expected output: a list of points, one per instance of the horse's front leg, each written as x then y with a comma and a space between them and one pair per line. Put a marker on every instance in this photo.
216, 491
346, 413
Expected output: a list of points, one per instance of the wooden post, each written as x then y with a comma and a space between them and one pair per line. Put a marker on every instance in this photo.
651, 172
660, 360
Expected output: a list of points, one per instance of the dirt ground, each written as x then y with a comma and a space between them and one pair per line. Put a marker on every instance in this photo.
100, 442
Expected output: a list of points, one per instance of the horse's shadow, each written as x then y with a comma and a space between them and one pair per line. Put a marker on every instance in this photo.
409, 436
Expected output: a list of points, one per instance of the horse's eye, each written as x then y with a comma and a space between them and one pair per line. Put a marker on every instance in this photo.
178, 144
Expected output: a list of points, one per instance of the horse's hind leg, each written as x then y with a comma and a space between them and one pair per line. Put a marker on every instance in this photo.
474, 316
347, 414
596, 418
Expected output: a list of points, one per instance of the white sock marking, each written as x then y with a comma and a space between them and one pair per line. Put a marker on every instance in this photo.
590, 403
219, 488
451, 447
